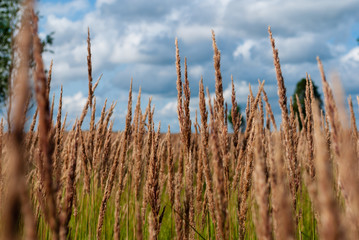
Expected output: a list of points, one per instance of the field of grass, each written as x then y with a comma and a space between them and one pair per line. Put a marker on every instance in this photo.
270, 181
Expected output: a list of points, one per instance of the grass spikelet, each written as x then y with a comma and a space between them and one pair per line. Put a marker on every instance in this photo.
153, 190
219, 181
219, 102
18, 199
261, 190
288, 131
281, 204
330, 226
44, 132
70, 188
89, 67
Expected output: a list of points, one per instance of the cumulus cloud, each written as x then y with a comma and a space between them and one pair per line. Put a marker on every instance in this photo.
244, 50
74, 104
136, 39
170, 109
69, 8
352, 57
99, 3
289, 17
349, 71
193, 33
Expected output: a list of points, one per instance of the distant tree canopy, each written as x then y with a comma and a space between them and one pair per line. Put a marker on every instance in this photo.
300, 91
9, 23
243, 124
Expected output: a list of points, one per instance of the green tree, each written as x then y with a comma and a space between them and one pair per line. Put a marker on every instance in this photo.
9, 22
300, 91
243, 123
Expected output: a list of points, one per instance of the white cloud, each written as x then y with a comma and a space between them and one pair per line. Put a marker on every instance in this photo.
352, 57
241, 89
348, 69
63, 8
244, 50
127, 50
74, 104
302, 48
193, 33
99, 3
170, 109
196, 72
136, 39
289, 17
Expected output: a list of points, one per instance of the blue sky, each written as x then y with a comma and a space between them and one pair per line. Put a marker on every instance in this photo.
135, 38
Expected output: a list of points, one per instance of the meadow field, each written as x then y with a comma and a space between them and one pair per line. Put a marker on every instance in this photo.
272, 180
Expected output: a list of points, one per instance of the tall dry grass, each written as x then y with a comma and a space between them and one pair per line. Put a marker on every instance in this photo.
286, 181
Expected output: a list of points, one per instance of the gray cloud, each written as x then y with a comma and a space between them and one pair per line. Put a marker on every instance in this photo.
136, 39
289, 18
